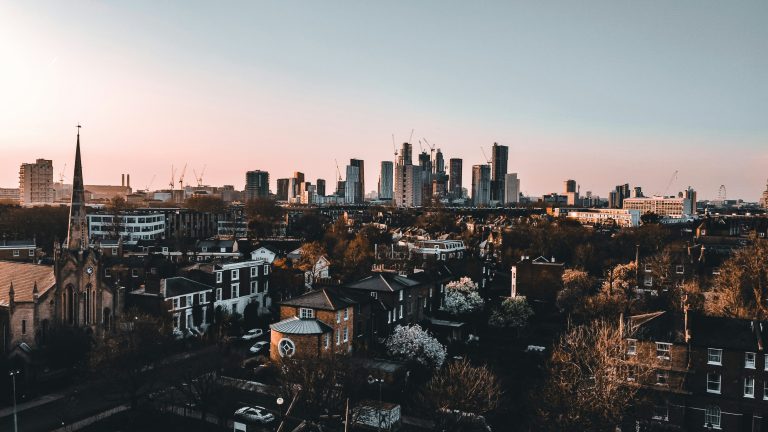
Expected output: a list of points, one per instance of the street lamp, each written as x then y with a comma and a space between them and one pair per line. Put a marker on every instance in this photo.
13, 374
280, 401
371, 381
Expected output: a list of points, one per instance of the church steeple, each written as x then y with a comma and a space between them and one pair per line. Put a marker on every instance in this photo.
77, 235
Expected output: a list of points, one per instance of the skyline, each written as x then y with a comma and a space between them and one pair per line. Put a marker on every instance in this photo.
674, 87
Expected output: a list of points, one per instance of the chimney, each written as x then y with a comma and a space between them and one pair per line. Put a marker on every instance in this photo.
128, 180
122, 180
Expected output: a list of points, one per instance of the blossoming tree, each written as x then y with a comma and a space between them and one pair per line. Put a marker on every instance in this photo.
412, 343
462, 297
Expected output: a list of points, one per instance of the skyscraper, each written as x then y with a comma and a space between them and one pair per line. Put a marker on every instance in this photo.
36, 183
511, 189
425, 171
256, 184
282, 189
407, 187
352, 185
385, 180
499, 159
481, 185
360, 185
616, 198
320, 187
454, 177
764, 197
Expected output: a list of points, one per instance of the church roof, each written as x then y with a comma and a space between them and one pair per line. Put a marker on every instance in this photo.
23, 276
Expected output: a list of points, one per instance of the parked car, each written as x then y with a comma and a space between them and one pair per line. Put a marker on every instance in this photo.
253, 334
255, 413
259, 347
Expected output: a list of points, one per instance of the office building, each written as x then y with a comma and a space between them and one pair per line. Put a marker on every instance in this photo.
481, 185
352, 189
663, 206
385, 180
617, 196
571, 192
36, 183
407, 186
690, 195
425, 170
439, 178
454, 177
9, 195
511, 189
283, 185
256, 184
359, 191
624, 218
320, 189
499, 159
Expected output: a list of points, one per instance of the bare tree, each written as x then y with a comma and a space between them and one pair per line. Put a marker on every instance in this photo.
741, 288
591, 382
460, 394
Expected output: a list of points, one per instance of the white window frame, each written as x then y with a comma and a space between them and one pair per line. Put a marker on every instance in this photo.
306, 313
338, 338
114, 251
326, 340
218, 294
16, 253
750, 360
401, 312
389, 317
662, 347
400, 298
253, 271
338, 317
254, 287
219, 277
235, 274
715, 356
662, 377
679, 269
765, 390
134, 272
266, 269
346, 314
201, 298
713, 416
765, 363
175, 303
631, 347
346, 334
374, 294
749, 387
234, 291
711, 382
32, 252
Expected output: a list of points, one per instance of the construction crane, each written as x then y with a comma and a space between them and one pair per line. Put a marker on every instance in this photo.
146, 189
669, 184
172, 184
394, 147
61, 174
488, 161
181, 177
411, 137
431, 149
338, 171
199, 178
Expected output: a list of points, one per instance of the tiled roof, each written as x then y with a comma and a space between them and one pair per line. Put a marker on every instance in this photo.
24, 276
325, 298
383, 282
301, 326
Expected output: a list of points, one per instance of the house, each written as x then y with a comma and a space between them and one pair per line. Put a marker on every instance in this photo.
206, 250
187, 302
538, 279
27, 294
265, 253
18, 250
240, 283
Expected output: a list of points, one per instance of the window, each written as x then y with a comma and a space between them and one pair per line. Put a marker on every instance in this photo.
326, 340
338, 338
218, 277
235, 274
346, 314
400, 295
32, 252
201, 298
374, 294
389, 317
176, 303
401, 311
306, 313
749, 360
338, 316
254, 287
749, 387
648, 268
765, 390
189, 300
661, 412
765, 364
662, 350
15, 252
713, 383
648, 281
23, 327
134, 272
430, 293
218, 294
176, 321
235, 290
631, 346
266, 270
714, 356
679, 269
253, 271
346, 334
107, 273
114, 251
712, 417
662, 377
286, 347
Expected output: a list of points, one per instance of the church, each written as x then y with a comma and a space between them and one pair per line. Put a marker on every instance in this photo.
72, 292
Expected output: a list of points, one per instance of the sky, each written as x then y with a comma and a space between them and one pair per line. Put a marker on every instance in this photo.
603, 92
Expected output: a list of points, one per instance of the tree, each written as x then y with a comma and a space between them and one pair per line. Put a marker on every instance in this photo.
460, 393
462, 297
205, 204
310, 254
262, 214
588, 380
412, 343
741, 288
577, 284
514, 312
128, 359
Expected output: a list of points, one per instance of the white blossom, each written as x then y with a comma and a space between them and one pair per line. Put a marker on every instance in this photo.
414, 343
462, 297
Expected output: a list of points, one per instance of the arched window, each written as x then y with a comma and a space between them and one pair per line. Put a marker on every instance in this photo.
68, 304
712, 417
286, 347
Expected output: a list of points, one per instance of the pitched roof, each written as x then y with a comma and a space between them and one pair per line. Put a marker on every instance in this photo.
728, 333
23, 276
177, 286
387, 282
301, 326
325, 298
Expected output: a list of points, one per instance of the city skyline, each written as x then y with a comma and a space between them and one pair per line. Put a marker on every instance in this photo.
669, 92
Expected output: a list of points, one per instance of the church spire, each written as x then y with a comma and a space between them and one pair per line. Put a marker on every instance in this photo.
77, 235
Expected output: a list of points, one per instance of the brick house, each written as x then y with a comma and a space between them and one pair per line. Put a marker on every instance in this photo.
18, 250
538, 279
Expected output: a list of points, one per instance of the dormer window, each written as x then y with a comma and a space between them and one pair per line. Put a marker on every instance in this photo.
306, 313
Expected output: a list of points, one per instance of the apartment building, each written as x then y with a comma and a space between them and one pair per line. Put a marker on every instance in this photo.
36, 183
662, 206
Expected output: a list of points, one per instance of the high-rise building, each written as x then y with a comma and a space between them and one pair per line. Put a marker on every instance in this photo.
352, 185
256, 184
499, 159
425, 170
511, 189
36, 183
282, 189
481, 185
439, 178
571, 192
690, 195
341, 188
320, 187
764, 198
569, 186
407, 186
616, 198
360, 184
385, 180
454, 177
637, 192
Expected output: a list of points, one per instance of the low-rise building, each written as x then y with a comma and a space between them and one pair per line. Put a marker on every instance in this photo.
624, 218
662, 206
18, 250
